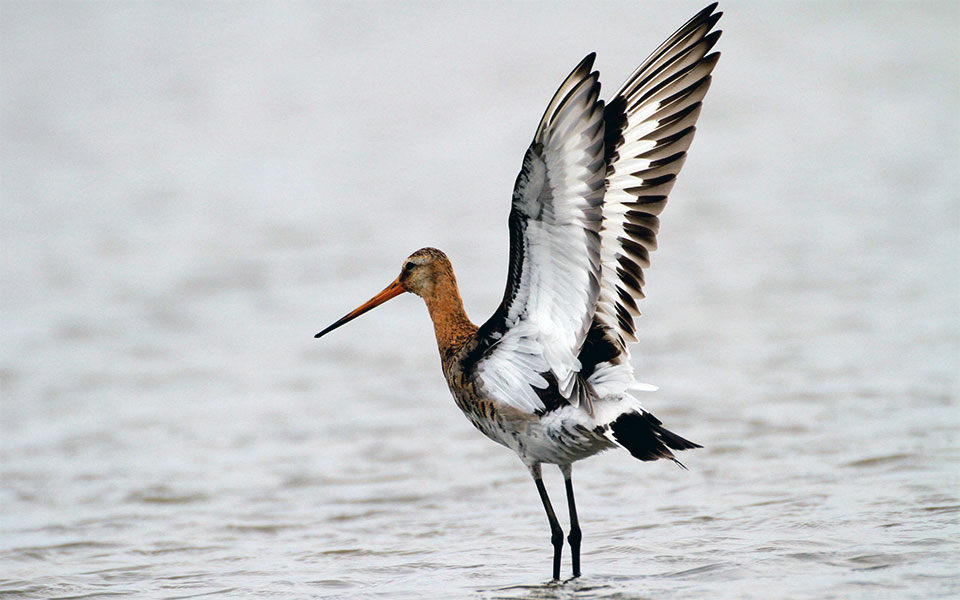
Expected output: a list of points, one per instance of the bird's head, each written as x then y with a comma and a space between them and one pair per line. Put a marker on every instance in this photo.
419, 275
423, 269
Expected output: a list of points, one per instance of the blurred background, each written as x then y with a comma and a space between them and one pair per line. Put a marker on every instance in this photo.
189, 191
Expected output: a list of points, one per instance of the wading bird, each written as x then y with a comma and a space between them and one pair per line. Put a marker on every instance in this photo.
549, 374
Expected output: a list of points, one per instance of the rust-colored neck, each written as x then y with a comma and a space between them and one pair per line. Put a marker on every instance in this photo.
450, 321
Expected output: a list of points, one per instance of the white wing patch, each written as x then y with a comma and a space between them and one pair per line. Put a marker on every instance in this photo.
555, 224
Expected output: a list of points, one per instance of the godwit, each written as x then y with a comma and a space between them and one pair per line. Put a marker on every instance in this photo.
549, 374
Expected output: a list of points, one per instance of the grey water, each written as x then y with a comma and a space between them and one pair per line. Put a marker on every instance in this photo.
191, 190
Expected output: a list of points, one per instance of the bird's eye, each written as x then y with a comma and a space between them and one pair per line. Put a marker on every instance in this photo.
408, 266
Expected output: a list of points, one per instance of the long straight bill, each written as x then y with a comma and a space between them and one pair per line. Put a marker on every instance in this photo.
391, 291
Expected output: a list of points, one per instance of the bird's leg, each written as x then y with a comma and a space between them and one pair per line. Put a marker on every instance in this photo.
575, 535
556, 534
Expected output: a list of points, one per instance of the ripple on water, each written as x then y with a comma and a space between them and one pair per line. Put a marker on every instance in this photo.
177, 550
358, 516
160, 494
559, 590
881, 460
696, 571
56, 550
260, 528
941, 509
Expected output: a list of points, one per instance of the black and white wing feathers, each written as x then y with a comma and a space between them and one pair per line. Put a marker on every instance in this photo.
650, 124
532, 341
583, 221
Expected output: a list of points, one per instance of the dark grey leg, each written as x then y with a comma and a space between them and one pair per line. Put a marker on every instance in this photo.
556, 534
575, 535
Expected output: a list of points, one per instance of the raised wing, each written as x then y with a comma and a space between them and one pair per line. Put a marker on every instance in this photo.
583, 222
532, 341
649, 127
